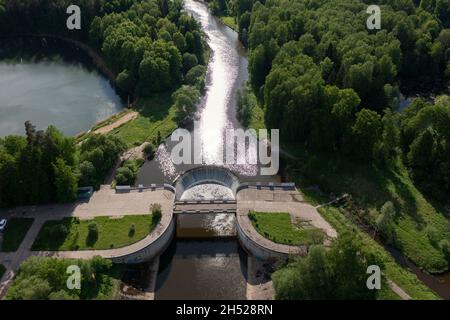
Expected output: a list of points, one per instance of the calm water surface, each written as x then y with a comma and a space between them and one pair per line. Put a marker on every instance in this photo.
53, 93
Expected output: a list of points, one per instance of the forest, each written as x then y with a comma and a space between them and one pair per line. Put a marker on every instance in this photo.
150, 45
45, 166
336, 91
331, 85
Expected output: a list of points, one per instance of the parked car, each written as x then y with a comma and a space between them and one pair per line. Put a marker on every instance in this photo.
3, 224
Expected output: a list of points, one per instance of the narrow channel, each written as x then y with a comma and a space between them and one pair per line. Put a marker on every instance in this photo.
205, 253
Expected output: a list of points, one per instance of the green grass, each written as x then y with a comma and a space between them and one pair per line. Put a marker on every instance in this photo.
370, 187
112, 233
230, 22
2, 270
402, 277
155, 114
15, 232
278, 227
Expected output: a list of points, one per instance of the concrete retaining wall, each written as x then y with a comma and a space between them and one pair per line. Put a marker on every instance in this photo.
256, 249
151, 251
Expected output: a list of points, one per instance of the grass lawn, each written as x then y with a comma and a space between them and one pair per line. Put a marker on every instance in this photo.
370, 187
2, 270
402, 277
15, 232
230, 22
112, 233
278, 227
155, 114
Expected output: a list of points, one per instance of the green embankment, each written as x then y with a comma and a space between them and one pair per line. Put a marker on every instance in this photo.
402, 277
112, 233
278, 227
370, 188
156, 114
230, 22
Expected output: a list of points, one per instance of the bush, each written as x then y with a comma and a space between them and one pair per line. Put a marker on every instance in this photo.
315, 236
385, 222
246, 102
156, 212
132, 230
196, 77
125, 176
149, 151
92, 232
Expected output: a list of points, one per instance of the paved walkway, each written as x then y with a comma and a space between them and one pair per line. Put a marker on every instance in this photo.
105, 202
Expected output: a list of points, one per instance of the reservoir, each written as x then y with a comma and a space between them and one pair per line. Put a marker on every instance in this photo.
66, 95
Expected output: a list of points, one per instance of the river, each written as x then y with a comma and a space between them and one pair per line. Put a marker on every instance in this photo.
227, 73
205, 260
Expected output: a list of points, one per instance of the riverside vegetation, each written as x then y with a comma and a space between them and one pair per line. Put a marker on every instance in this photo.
333, 87
156, 54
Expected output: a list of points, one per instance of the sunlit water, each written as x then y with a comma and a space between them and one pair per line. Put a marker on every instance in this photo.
53, 93
227, 72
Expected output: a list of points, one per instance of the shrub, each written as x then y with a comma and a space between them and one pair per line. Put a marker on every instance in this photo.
132, 230
125, 176
149, 151
156, 212
315, 236
196, 77
246, 102
92, 232
385, 222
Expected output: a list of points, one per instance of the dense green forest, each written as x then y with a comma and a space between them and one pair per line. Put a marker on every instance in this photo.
336, 273
333, 88
45, 166
149, 44
331, 85
42, 278
151, 47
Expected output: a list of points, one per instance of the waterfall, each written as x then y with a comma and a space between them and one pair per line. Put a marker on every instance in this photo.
217, 179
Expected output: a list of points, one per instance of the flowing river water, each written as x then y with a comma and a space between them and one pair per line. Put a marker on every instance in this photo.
205, 260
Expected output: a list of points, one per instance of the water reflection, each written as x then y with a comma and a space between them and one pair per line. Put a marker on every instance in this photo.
193, 270
227, 72
53, 93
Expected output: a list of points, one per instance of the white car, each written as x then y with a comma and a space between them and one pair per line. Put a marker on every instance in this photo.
3, 224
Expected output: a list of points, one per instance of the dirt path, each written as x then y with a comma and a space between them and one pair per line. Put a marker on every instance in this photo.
124, 119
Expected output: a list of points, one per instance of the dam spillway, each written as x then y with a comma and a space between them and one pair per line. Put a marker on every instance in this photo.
206, 183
